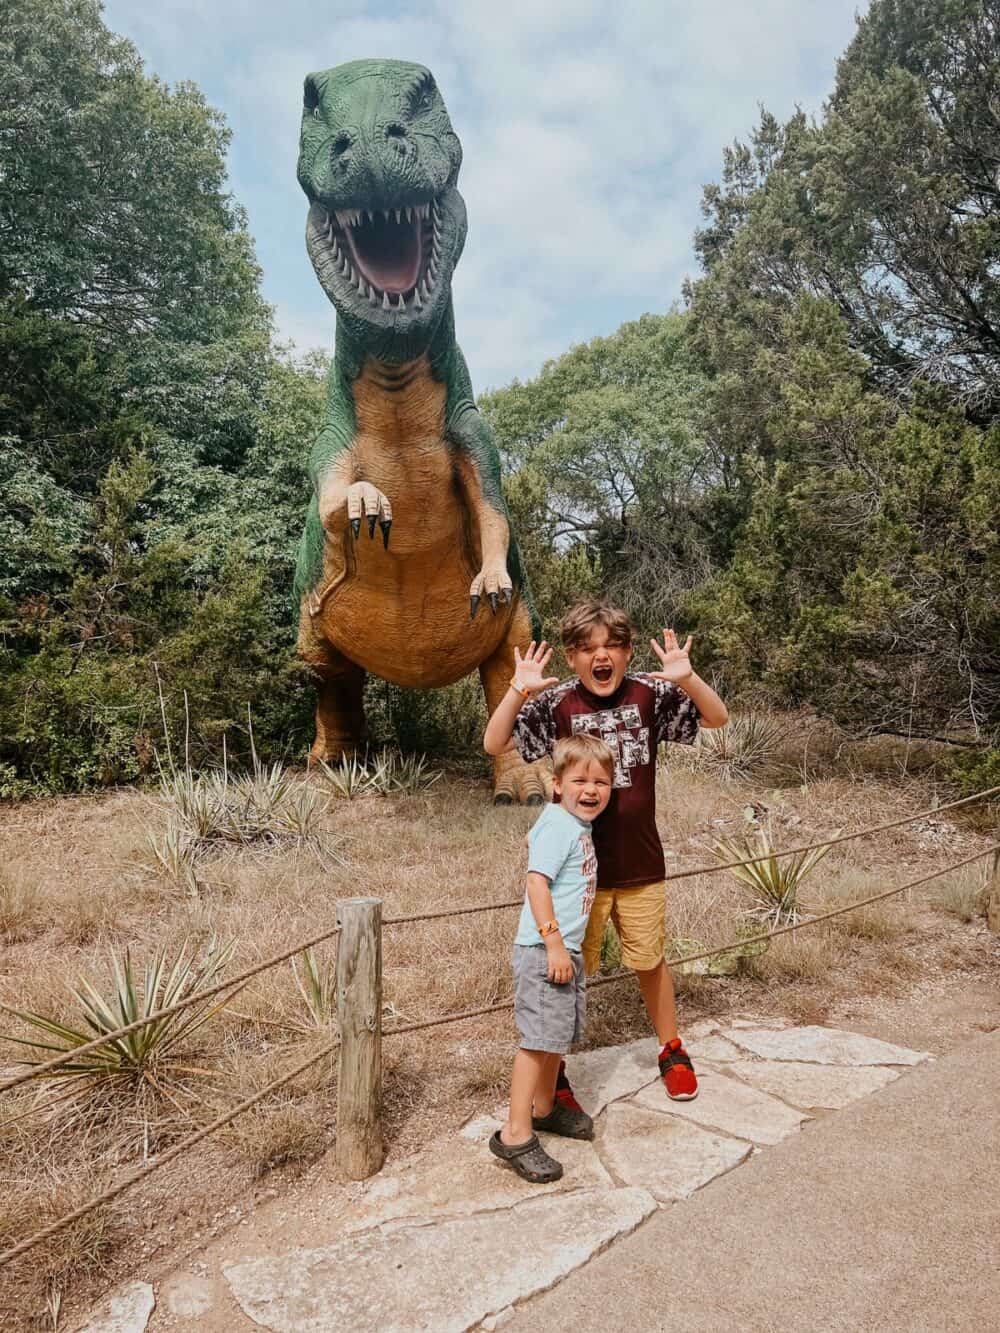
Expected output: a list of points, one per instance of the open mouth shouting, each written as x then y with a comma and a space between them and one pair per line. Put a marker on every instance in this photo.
604, 673
390, 257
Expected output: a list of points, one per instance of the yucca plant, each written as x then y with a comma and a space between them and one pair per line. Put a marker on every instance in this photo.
216, 810
379, 773
318, 988
348, 777
174, 853
144, 1055
411, 774
743, 746
773, 883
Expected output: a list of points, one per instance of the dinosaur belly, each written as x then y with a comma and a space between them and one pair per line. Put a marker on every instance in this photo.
402, 613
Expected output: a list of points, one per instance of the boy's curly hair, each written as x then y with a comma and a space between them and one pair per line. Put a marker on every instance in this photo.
580, 619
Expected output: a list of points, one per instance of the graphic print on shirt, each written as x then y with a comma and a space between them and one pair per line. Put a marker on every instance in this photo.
622, 732
589, 871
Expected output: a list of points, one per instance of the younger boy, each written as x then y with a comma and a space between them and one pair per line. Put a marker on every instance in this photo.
632, 713
549, 985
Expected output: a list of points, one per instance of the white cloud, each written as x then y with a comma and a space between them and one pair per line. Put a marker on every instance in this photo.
588, 132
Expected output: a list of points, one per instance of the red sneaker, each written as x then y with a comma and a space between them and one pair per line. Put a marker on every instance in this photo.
677, 1072
564, 1093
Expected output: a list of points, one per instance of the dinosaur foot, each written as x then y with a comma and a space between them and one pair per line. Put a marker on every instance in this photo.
517, 783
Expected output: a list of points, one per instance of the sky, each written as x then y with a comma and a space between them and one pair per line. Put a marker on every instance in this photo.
588, 131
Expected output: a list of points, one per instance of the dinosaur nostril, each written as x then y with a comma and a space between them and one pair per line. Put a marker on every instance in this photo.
395, 131
341, 145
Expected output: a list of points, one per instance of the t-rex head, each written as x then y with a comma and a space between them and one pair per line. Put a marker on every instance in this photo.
379, 160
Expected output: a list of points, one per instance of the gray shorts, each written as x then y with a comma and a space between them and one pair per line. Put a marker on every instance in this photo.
550, 1017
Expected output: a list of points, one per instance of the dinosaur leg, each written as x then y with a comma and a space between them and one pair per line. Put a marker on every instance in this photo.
513, 780
340, 715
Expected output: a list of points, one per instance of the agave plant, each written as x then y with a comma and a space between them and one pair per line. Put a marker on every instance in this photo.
773, 883
140, 1056
743, 746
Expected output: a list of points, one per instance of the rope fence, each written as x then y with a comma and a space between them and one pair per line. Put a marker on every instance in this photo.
236, 983
359, 990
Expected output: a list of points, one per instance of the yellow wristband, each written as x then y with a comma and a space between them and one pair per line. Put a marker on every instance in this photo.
549, 928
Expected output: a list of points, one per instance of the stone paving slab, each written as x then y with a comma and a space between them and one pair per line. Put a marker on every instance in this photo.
434, 1279
822, 1046
606, 1075
603, 1076
814, 1087
127, 1311
463, 1177
714, 1048
727, 1104
671, 1157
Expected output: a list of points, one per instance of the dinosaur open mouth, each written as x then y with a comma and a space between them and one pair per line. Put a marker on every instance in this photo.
392, 256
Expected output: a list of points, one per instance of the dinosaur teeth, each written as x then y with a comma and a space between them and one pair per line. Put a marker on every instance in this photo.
372, 299
417, 303
401, 304
385, 301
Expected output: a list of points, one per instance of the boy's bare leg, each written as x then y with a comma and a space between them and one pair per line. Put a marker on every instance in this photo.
532, 1074
657, 986
545, 1089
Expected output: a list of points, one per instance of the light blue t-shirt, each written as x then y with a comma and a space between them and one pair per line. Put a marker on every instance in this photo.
561, 848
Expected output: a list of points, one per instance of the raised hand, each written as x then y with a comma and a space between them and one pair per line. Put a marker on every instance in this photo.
675, 664
528, 669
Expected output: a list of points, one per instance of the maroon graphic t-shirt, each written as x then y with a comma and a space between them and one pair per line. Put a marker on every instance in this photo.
631, 722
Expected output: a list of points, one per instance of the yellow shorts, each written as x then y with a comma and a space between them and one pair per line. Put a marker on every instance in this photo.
640, 917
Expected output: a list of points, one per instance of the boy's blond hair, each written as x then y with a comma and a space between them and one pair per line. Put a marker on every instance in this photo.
580, 619
578, 749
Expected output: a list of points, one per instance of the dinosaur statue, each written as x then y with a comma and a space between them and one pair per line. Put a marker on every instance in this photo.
402, 448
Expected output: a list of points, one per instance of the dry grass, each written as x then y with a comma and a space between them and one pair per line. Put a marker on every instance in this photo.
77, 883
963, 894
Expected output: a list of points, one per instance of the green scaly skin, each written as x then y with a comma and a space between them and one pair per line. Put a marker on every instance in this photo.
376, 136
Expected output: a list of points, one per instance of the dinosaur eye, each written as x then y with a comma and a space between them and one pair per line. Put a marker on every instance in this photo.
317, 113
422, 98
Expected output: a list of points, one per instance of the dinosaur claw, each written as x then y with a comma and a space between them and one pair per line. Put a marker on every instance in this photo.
493, 602
385, 524
473, 606
356, 526
372, 518
506, 594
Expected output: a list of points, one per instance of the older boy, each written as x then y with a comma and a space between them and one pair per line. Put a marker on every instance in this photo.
549, 983
632, 713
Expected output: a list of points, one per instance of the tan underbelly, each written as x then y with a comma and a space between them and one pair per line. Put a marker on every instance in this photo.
403, 613
413, 631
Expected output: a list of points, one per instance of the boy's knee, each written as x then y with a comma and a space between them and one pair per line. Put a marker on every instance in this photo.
650, 969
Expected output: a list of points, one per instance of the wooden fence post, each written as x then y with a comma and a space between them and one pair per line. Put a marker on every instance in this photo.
993, 897
359, 1147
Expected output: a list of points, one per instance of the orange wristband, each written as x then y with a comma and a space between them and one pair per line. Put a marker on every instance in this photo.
522, 690
549, 928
